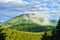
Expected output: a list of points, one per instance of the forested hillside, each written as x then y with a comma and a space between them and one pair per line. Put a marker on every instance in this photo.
27, 27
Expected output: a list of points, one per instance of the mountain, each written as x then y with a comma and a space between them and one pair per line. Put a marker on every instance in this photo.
28, 22
26, 18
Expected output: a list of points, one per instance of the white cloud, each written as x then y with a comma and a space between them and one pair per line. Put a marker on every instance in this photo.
14, 1
42, 14
42, 8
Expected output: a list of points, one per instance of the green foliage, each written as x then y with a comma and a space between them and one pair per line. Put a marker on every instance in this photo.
31, 27
49, 35
45, 37
2, 35
57, 33
27, 28
21, 35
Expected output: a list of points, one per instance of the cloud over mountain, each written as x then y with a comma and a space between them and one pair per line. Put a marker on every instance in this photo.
13, 8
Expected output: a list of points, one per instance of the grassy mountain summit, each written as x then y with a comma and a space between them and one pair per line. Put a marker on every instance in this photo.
24, 18
28, 22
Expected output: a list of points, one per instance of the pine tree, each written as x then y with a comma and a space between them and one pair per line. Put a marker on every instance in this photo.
57, 35
46, 37
53, 34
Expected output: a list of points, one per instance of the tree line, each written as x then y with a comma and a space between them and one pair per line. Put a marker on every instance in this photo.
55, 33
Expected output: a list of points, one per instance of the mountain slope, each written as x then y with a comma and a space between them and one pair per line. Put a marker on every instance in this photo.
24, 18
21, 35
28, 22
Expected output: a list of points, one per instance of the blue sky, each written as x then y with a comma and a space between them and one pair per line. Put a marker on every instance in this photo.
49, 9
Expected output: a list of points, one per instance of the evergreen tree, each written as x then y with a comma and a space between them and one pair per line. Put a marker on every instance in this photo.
57, 35
52, 37
53, 34
46, 37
